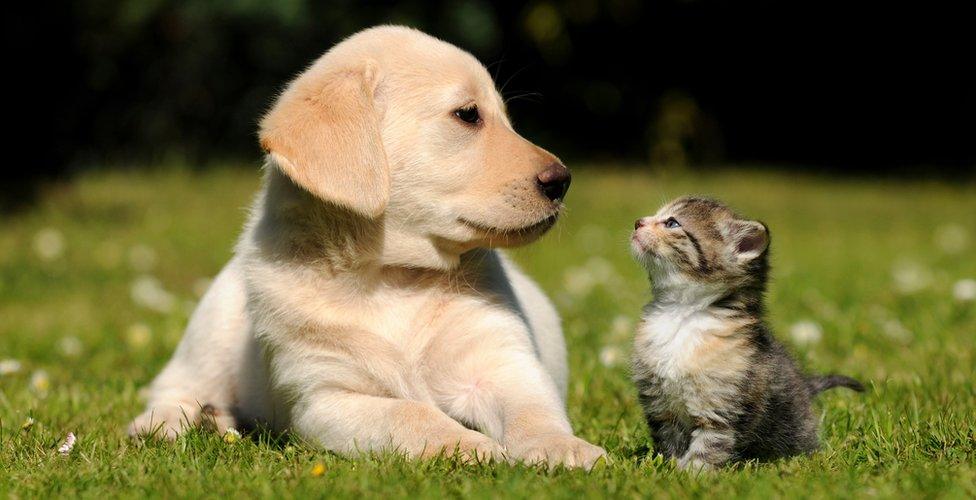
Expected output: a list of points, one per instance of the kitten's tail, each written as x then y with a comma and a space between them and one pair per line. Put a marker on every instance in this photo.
822, 383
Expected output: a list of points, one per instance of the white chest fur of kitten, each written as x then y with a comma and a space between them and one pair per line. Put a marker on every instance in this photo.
668, 338
693, 358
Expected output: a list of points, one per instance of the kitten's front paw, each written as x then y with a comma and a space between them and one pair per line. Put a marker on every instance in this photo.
558, 449
695, 465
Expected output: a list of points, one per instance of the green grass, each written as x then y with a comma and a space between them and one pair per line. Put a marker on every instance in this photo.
873, 263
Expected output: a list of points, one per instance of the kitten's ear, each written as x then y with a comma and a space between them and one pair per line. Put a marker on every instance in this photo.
751, 239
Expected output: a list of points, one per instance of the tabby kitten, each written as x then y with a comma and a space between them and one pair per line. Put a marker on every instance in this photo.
714, 383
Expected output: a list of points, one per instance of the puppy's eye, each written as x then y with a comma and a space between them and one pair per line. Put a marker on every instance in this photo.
468, 115
671, 223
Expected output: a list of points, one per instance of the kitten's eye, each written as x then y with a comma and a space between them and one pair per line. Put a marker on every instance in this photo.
671, 223
468, 115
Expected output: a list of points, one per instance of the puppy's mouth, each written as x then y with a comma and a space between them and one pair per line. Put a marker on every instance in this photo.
497, 236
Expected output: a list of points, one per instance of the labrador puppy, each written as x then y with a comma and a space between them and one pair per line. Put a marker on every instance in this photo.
365, 308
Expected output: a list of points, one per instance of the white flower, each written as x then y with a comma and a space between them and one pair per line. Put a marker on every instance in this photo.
821, 306
142, 258
896, 330
138, 335
951, 238
578, 281
232, 436
40, 382
9, 366
806, 332
964, 290
49, 243
610, 355
68, 445
621, 326
147, 292
70, 346
910, 277
602, 269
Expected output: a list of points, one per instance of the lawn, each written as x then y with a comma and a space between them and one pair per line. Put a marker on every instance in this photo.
870, 278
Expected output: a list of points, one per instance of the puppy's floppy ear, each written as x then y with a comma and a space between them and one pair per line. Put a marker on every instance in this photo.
323, 132
751, 239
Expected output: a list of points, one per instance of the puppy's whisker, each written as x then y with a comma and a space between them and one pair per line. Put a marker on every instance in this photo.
510, 78
527, 96
498, 66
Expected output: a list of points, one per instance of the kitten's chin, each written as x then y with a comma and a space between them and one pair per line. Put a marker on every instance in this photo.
665, 276
643, 256
652, 264
637, 249
640, 248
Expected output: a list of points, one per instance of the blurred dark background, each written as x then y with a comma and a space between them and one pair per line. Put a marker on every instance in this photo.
847, 87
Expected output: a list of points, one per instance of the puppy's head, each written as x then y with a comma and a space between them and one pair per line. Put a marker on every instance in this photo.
401, 127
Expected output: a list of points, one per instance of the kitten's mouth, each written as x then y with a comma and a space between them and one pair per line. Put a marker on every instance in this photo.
638, 245
644, 251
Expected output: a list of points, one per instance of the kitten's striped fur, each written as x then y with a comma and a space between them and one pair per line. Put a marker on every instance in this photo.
714, 383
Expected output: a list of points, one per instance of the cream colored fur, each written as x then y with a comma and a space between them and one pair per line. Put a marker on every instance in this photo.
364, 309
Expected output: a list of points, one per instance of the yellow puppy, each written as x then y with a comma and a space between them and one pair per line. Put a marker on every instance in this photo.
364, 309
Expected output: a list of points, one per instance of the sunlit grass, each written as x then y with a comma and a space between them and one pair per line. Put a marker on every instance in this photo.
97, 281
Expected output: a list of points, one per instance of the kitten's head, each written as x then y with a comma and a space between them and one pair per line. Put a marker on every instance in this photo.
701, 241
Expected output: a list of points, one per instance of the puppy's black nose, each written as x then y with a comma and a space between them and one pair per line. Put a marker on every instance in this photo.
554, 181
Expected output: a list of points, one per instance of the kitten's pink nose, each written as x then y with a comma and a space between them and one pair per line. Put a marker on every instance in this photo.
639, 223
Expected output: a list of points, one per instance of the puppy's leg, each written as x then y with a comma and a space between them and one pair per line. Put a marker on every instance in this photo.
545, 327
351, 423
509, 394
539, 434
537, 430
710, 447
206, 367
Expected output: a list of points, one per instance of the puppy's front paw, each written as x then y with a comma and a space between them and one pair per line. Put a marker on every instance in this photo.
470, 446
558, 449
166, 422
169, 421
